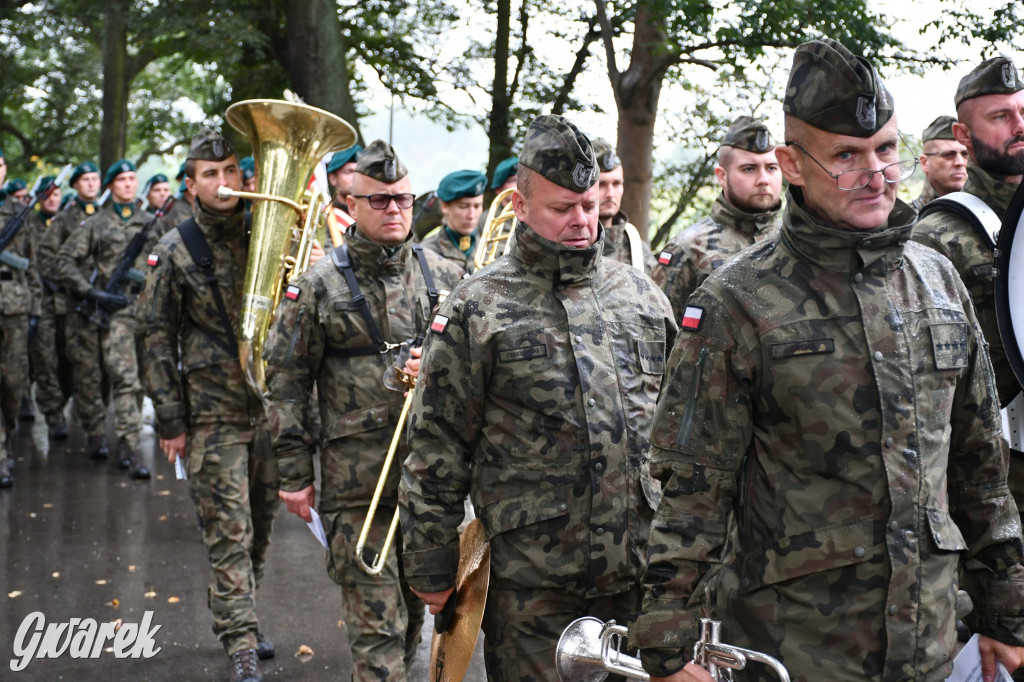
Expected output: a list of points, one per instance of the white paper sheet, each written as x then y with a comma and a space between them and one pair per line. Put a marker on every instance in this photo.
317, 527
967, 665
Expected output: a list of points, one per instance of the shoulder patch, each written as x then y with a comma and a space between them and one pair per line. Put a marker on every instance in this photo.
665, 258
439, 324
292, 292
693, 317
153, 260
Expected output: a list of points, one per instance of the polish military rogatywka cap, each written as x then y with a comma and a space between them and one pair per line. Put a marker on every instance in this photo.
116, 168
750, 134
607, 159
995, 76
939, 129
339, 159
461, 183
380, 162
210, 145
832, 89
559, 152
81, 169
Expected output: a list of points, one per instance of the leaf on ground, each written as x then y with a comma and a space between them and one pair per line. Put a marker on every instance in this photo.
14, 595
164, 492
113, 602
55, 574
162, 518
117, 624
304, 653
101, 582
173, 600
150, 594
48, 505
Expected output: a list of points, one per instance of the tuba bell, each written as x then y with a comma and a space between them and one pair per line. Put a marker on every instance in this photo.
288, 139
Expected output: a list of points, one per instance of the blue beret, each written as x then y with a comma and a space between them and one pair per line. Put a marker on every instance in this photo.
118, 167
462, 183
81, 169
344, 156
504, 171
248, 167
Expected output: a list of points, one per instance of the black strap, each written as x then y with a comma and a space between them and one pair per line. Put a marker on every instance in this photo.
428, 279
201, 254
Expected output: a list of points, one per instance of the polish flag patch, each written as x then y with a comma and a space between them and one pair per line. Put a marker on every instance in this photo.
665, 257
292, 292
439, 324
153, 260
692, 317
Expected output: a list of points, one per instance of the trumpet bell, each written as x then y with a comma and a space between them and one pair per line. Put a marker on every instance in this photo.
578, 653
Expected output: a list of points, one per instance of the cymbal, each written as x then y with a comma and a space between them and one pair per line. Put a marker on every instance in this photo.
451, 651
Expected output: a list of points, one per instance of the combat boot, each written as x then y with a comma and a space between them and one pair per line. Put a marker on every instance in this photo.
131, 459
58, 427
26, 411
247, 666
264, 647
97, 447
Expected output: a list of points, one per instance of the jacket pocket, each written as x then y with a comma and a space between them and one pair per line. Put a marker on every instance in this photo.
533, 507
945, 533
357, 421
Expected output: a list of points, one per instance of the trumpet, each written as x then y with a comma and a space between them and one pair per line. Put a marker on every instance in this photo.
588, 650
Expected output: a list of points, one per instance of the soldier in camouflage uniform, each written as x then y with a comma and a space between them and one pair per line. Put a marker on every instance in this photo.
620, 241
831, 389
943, 160
82, 337
208, 412
98, 246
322, 337
462, 201
746, 212
994, 173
540, 377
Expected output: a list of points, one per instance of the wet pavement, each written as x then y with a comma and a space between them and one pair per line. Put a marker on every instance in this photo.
79, 539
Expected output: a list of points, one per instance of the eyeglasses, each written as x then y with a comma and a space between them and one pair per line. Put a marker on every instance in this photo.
949, 154
379, 202
857, 178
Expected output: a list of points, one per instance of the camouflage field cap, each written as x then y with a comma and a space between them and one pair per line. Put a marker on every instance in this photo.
461, 183
607, 159
750, 134
380, 162
995, 76
832, 89
504, 170
339, 159
116, 168
210, 145
939, 129
557, 150
81, 169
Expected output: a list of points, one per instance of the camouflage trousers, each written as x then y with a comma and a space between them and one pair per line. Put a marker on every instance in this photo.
53, 374
233, 481
383, 618
121, 360
14, 379
83, 343
522, 627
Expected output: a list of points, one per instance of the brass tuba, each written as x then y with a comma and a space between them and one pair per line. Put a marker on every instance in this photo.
288, 139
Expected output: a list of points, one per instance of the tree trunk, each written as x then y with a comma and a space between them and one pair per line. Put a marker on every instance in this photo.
114, 132
499, 120
636, 98
315, 57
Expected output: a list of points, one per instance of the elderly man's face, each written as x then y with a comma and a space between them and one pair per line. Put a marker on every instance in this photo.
944, 163
556, 213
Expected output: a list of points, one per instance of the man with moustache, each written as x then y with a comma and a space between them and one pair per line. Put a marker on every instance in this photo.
622, 242
746, 211
943, 160
831, 392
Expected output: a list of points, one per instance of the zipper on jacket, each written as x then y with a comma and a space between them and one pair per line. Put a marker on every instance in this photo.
686, 424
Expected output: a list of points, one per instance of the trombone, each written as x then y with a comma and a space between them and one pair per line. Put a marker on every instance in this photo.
498, 230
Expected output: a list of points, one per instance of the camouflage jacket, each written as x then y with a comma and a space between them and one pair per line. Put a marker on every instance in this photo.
697, 251
20, 290
99, 244
926, 197
186, 365
61, 227
179, 213
616, 244
540, 377
973, 258
306, 347
440, 242
831, 389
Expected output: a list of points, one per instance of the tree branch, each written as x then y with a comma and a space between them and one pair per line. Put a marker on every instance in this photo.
606, 37
524, 17
569, 82
153, 150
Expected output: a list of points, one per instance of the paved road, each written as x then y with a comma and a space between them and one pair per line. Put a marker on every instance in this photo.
77, 537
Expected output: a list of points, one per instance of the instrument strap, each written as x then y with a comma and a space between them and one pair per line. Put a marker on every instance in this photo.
428, 279
972, 209
201, 254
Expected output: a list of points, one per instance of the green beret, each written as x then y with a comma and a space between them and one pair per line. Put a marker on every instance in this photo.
180, 177
462, 183
41, 182
159, 177
344, 156
210, 145
118, 167
996, 76
68, 196
833, 90
248, 168
182, 188
504, 170
557, 150
939, 129
750, 134
81, 169
380, 162
607, 159
1, 153
14, 185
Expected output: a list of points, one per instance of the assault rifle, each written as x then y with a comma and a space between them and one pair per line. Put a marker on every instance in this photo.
13, 225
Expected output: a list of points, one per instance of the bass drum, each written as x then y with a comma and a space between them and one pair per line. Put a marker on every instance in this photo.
1009, 291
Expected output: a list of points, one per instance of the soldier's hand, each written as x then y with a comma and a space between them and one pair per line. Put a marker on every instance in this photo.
316, 252
107, 301
299, 503
1012, 657
435, 601
412, 365
691, 672
173, 447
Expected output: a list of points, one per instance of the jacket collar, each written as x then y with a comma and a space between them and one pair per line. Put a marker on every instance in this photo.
991, 189
555, 263
372, 258
750, 224
223, 227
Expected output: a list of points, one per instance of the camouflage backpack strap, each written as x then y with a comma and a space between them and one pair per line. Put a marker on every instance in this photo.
201, 254
428, 279
343, 263
972, 209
